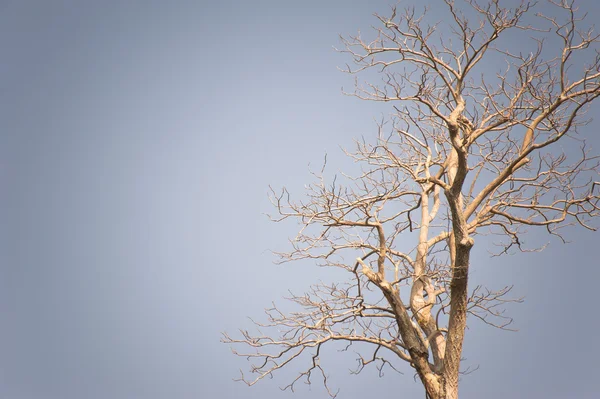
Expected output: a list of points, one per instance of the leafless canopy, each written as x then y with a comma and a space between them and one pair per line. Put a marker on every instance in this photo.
469, 150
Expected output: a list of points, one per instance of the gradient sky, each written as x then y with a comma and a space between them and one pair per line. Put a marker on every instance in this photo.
137, 143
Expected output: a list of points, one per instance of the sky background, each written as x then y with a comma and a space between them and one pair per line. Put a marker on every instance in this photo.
137, 143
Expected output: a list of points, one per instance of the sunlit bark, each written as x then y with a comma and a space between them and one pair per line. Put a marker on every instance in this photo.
468, 151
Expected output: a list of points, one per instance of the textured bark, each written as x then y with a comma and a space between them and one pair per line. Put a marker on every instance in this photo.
462, 249
410, 336
458, 317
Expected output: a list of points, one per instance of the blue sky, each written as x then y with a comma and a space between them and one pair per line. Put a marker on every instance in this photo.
138, 140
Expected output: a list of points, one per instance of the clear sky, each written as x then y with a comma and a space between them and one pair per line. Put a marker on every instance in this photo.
137, 143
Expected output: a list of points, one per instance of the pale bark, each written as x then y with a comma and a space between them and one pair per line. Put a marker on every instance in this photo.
485, 143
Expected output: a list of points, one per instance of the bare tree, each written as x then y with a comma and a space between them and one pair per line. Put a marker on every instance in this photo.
469, 150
